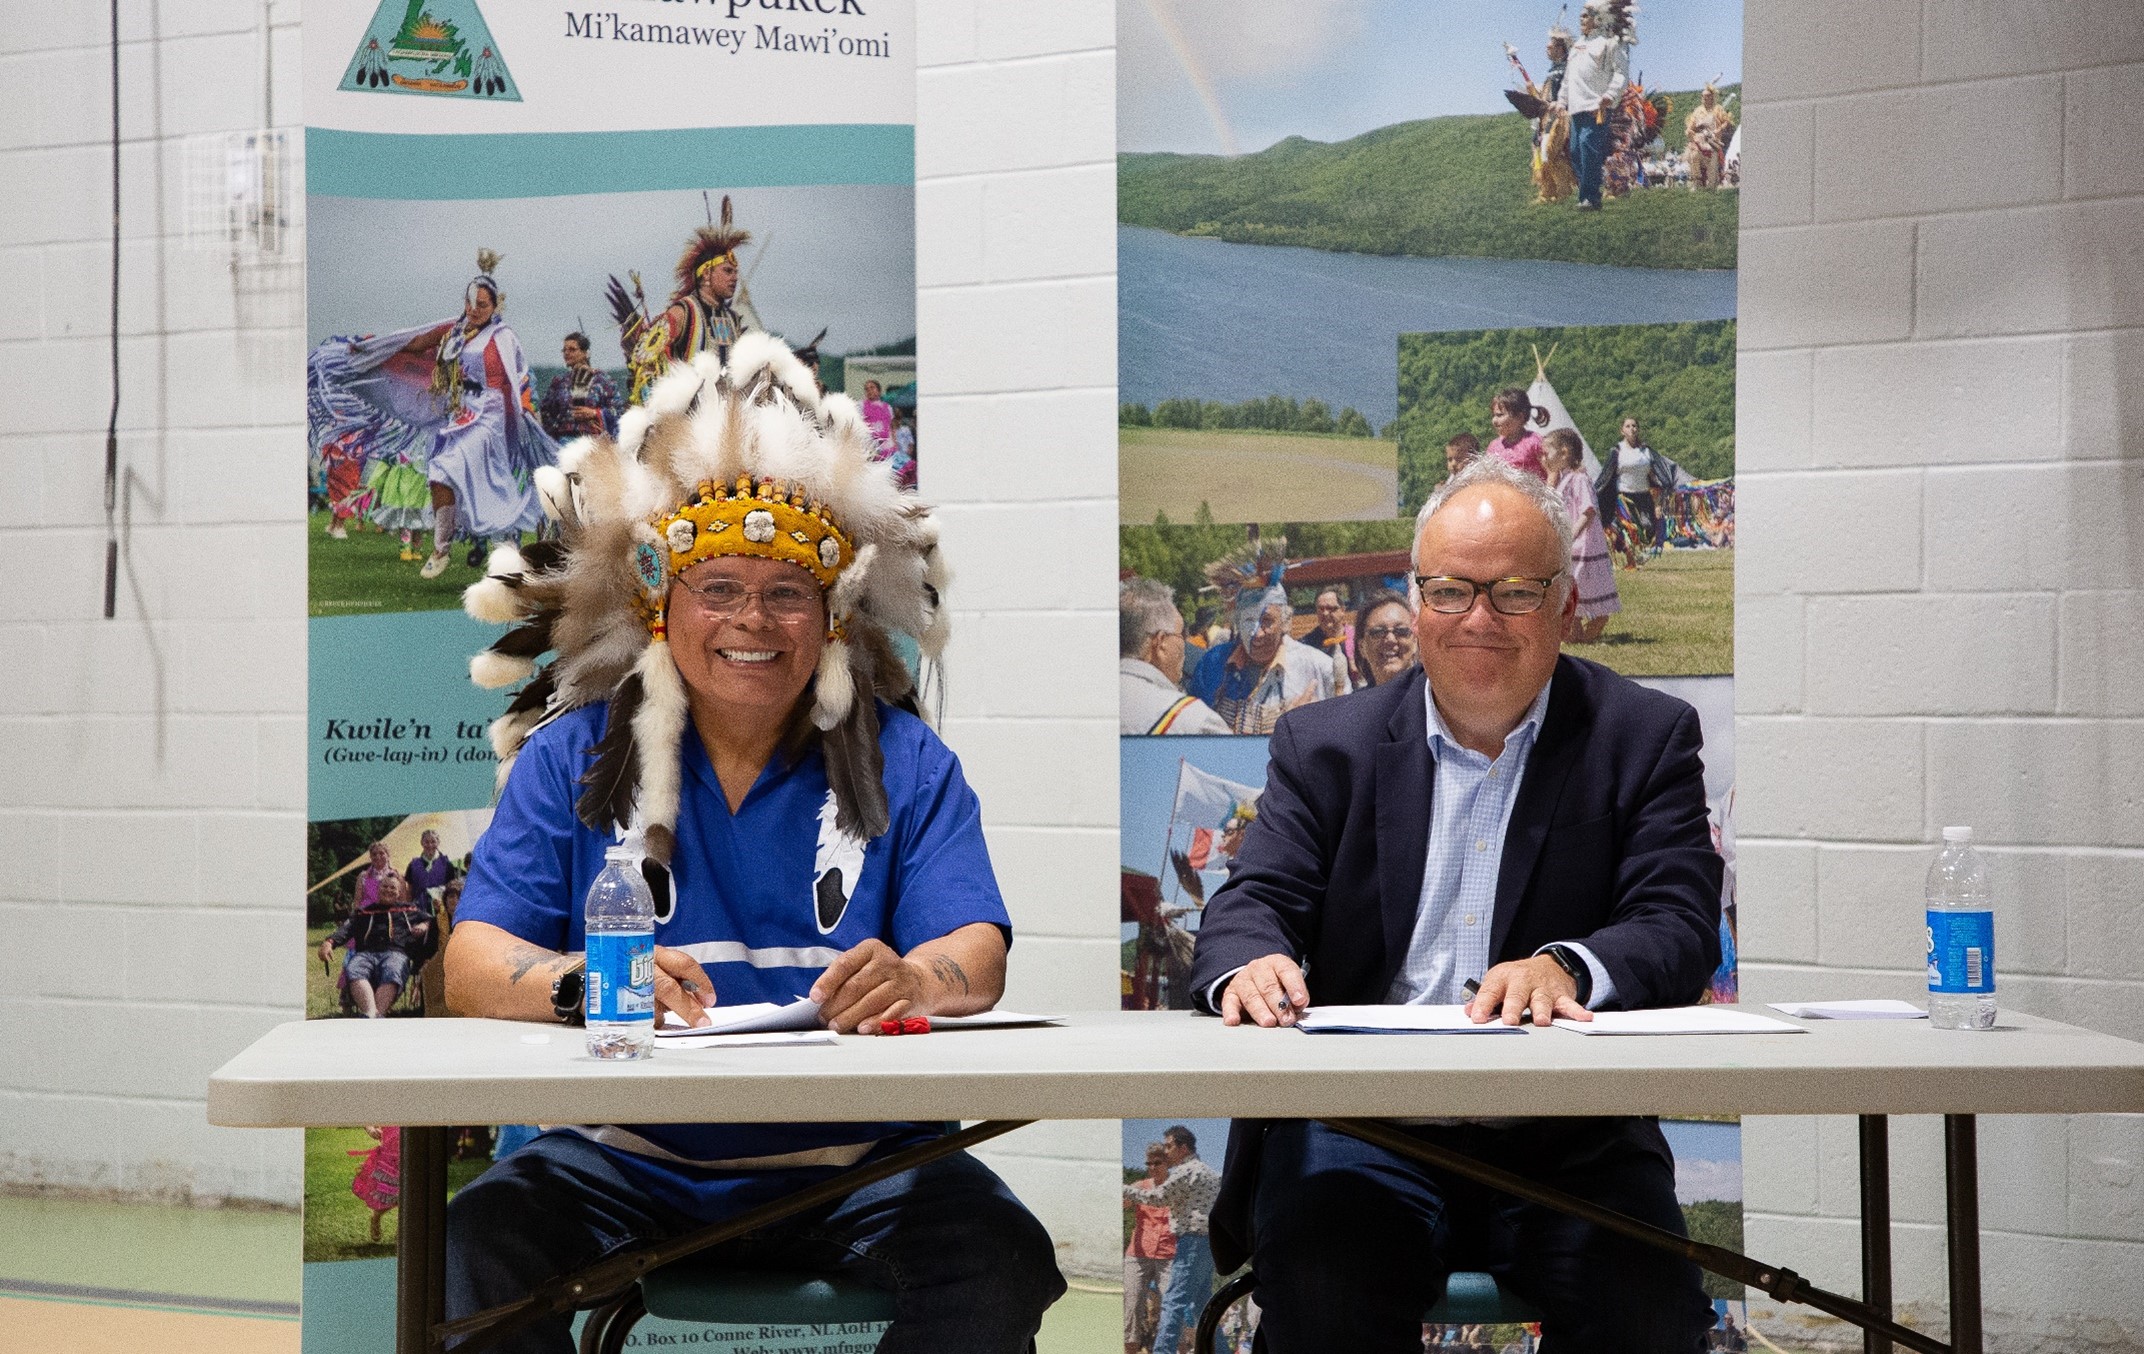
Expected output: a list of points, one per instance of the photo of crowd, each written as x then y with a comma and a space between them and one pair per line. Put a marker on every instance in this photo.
1169, 1188
380, 900
1221, 630
431, 403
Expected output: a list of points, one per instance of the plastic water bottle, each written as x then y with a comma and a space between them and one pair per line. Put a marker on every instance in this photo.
620, 985
1961, 937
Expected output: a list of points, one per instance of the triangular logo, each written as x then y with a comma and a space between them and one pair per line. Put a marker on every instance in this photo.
438, 47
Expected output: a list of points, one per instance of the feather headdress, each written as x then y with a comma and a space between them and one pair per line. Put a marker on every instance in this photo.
1253, 574
747, 458
1617, 18
710, 244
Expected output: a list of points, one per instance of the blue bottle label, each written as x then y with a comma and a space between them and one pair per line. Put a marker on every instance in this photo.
621, 977
1961, 951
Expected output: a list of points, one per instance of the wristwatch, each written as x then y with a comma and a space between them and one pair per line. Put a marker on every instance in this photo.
566, 993
1572, 963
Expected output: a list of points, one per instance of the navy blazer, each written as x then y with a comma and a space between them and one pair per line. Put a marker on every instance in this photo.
1609, 844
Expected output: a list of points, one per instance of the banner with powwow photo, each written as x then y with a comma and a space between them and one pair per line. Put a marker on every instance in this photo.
1207, 818
1355, 250
516, 216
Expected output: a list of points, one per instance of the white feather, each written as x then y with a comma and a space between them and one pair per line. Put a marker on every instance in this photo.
632, 428
658, 729
573, 453
836, 688
555, 492
672, 393
493, 670
850, 585
505, 559
491, 601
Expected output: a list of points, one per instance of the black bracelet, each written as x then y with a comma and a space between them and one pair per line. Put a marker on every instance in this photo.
1569, 961
567, 991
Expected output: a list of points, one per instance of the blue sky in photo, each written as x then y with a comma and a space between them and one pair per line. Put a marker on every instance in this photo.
1332, 69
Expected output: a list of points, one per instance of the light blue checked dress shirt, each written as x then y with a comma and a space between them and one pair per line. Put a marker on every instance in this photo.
1469, 810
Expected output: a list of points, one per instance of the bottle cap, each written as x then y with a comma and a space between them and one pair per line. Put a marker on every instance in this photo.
631, 846
1957, 834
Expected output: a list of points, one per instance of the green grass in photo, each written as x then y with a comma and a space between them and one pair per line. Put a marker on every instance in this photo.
366, 573
1435, 187
338, 1226
1247, 475
1678, 618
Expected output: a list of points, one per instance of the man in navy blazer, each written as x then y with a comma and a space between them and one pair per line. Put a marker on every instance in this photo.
1538, 823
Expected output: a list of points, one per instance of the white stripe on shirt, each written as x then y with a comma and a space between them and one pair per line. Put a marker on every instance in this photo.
735, 952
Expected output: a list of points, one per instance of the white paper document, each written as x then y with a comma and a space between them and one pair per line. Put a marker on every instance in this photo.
1397, 1020
989, 1020
802, 1015
690, 1039
756, 1017
1679, 1020
1873, 1008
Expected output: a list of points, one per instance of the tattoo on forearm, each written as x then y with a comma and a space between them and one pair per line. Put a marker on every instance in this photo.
528, 957
949, 973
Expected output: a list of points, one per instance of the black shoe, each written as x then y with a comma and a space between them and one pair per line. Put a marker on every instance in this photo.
476, 554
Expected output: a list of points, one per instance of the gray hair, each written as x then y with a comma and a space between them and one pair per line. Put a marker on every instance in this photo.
1145, 607
1492, 469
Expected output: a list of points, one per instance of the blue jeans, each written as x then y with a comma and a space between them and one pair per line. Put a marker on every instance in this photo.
969, 1267
1590, 140
1190, 1285
1354, 1242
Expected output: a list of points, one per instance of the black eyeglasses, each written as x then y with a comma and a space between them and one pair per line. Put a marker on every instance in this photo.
1509, 596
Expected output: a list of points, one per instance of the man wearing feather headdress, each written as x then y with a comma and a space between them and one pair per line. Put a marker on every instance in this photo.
1706, 133
708, 312
1264, 672
722, 599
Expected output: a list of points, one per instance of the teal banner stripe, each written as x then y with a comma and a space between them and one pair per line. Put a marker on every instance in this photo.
560, 164
394, 725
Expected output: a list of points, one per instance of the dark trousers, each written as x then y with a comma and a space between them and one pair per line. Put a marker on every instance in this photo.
969, 1267
1590, 141
1354, 1243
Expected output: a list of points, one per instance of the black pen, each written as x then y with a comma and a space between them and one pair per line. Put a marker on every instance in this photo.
1473, 989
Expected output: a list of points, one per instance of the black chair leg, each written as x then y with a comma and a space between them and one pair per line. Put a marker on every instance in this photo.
1232, 1292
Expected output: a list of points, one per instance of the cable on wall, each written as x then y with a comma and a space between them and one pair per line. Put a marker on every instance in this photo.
111, 423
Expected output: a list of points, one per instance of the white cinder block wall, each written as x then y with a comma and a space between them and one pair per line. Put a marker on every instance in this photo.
152, 805
1939, 613
1940, 592
1016, 211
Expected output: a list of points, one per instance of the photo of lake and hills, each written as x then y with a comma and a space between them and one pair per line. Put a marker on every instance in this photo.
1249, 281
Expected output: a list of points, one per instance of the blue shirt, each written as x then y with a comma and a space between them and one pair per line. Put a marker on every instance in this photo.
1470, 802
752, 907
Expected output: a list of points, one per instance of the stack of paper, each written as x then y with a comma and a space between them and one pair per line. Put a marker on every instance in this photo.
801, 1017
1397, 1020
1873, 1008
1680, 1020
758, 1017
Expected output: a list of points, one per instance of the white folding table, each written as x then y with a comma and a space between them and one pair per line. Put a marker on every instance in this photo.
429, 1075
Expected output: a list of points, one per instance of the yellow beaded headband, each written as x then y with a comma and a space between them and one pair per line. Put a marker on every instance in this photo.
767, 520
727, 256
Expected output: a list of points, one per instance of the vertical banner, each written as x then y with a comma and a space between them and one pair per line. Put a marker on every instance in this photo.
1357, 245
516, 215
